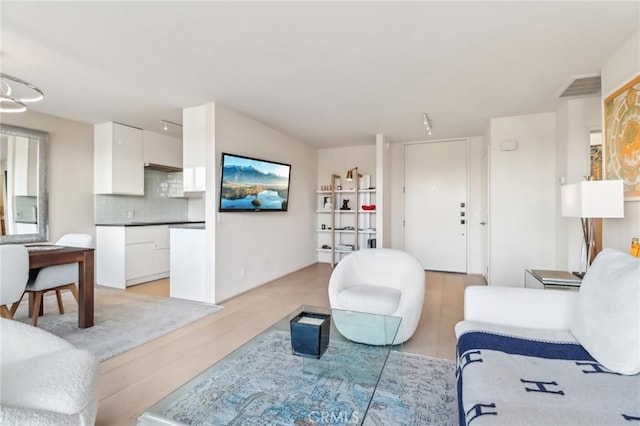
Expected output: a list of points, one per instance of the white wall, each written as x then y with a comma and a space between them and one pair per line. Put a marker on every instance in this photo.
383, 192
474, 206
266, 245
619, 69
70, 176
523, 201
338, 160
397, 195
575, 118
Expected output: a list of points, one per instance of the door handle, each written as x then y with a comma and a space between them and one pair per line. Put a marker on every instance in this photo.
483, 223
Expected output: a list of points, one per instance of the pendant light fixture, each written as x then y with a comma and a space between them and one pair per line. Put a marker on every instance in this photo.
16, 93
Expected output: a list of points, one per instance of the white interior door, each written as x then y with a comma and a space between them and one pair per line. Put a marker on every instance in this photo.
435, 204
484, 211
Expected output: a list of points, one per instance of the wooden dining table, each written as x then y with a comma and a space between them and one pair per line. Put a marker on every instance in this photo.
42, 256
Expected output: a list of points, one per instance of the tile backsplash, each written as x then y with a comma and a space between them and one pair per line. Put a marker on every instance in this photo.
159, 203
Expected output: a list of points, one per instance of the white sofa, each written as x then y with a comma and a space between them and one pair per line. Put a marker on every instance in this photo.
44, 379
553, 357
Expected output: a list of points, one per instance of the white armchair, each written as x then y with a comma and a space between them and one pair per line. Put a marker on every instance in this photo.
379, 281
45, 380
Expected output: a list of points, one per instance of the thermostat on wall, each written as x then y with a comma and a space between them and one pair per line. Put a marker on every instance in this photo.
509, 145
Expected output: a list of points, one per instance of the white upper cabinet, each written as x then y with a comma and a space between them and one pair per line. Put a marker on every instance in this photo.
194, 139
118, 161
161, 150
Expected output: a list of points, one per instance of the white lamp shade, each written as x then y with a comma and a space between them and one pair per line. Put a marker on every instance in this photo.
593, 199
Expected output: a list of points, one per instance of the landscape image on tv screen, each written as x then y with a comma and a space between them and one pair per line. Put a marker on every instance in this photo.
249, 184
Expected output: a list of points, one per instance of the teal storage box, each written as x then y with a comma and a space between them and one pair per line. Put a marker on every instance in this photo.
310, 334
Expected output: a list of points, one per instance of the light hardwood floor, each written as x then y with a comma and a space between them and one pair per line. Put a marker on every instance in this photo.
131, 382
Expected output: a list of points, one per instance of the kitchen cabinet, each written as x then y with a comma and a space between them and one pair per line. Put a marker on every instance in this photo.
129, 255
194, 143
162, 150
188, 260
118, 161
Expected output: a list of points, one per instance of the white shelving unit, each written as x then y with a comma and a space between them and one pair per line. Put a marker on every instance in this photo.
341, 232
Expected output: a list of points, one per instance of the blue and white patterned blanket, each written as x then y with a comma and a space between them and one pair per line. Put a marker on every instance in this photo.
542, 378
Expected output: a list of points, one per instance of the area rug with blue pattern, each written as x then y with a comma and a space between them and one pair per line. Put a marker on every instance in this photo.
266, 385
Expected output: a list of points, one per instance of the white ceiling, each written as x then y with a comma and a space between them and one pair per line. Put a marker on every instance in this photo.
328, 73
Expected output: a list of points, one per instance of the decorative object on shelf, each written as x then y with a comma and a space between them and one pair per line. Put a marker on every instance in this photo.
16, 93
310, 334
323, 226
591, 199
371, 243
327, 204
345, 205
366, 181
428, 124
338, 188
368, 207
621, 147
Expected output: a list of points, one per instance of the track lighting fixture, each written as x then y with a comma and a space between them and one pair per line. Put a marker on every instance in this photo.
166, 124
427, 122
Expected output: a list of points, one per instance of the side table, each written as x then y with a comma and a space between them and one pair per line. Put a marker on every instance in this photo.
547, 279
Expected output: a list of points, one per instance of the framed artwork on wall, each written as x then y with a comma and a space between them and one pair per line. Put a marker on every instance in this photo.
622, 137
595, 144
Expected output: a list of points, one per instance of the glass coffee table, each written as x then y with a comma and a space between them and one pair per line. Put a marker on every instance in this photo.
262, 382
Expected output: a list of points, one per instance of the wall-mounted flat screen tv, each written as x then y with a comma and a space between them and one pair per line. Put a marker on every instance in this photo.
250, 184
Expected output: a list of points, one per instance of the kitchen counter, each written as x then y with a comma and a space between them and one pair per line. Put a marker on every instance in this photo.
182, 222
191, 225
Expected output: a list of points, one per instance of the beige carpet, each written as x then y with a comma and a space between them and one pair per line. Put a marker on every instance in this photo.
122, 320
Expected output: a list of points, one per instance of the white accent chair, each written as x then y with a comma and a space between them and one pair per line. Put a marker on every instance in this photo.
14, 274
57, 278
378, 281
44, 379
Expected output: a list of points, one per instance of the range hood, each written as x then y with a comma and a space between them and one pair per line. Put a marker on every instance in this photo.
153, 166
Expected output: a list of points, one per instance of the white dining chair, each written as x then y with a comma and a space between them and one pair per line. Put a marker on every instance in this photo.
58, 277
14, 274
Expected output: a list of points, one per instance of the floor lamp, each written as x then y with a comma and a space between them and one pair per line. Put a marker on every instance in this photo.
588, 200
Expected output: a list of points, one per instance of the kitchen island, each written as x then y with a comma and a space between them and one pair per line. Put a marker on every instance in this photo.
188, 248
132, 253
